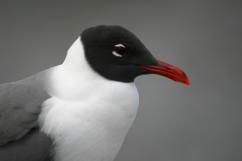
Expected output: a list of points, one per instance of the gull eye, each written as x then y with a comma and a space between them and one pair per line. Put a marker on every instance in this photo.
119, 50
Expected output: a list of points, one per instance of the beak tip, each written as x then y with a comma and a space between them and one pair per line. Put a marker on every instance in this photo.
187, 82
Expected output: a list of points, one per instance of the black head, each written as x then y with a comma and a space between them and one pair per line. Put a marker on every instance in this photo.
117, 54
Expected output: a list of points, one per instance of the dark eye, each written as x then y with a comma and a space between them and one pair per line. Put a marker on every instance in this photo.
119, 50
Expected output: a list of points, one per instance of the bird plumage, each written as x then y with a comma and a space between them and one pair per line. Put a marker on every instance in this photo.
82, 109
20, 106
89, 116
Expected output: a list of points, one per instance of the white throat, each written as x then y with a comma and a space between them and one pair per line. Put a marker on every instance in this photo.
87, 116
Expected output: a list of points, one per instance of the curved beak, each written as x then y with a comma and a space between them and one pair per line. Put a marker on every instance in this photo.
167, 70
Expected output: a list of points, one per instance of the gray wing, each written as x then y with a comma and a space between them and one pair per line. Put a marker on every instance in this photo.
34, 146
20, 105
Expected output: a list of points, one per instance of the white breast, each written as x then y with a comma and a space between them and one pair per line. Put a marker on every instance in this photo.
87, 116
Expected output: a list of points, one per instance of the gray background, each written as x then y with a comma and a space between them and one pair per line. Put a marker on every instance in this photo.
175, 122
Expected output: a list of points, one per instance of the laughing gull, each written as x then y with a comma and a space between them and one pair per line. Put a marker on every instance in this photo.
82, 109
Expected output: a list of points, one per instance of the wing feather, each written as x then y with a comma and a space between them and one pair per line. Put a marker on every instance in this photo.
20, 105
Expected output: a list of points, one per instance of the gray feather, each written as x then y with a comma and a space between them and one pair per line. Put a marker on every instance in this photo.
20, 105
34, 146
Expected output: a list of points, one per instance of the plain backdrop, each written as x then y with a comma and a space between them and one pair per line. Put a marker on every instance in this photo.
202, 122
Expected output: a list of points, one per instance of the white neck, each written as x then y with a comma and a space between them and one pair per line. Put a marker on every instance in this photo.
75, 59
88, 116
73, 78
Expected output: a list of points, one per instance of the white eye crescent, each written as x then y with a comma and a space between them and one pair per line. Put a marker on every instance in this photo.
120, 45
116, 54
119, 50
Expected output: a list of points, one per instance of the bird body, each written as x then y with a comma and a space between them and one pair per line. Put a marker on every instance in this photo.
82, 109
89, 116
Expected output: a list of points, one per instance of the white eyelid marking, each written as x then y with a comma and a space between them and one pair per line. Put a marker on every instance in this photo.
119, 45
116, 54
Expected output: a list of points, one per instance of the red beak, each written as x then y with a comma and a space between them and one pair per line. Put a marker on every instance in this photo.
167, 70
